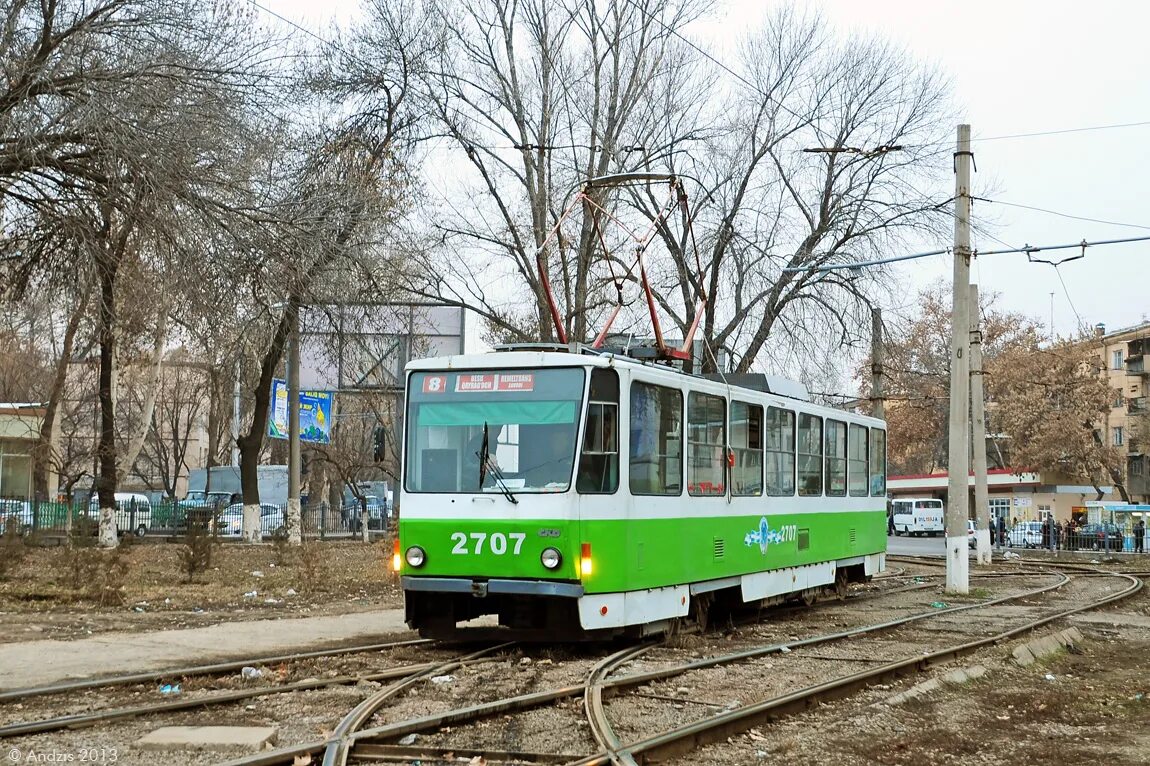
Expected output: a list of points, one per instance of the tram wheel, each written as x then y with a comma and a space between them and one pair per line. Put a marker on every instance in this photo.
842, 583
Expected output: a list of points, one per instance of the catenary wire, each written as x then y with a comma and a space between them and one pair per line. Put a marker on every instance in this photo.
1060, 214
1028, 249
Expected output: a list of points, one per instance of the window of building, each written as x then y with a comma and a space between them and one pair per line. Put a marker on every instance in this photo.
1116, 435
810, 455
1119, 399
1000, 507
857, 461
1116, 360
877, 462
706, 444
780, 452
599, 460
1137, 466
656, 449
747, 446
836, 454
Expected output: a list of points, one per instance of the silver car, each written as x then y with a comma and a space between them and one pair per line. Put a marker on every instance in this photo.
230, 522
1026, 534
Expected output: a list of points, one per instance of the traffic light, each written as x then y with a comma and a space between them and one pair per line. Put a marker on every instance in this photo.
379, 444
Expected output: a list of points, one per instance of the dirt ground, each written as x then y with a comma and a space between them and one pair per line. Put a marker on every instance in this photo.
1090, 705
58, 592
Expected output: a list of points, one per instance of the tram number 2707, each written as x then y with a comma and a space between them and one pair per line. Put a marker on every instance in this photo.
497, 542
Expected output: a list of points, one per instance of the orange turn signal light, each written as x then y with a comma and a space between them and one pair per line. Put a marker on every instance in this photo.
585, 560
396, 559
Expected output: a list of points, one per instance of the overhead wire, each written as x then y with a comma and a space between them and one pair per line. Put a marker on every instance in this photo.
1060, 214
1027, 248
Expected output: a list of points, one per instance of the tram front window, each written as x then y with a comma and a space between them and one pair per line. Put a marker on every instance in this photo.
528, 419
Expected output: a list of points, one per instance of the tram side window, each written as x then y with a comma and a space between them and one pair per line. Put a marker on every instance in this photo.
747, 445
857, 461
656, 449
599, 461
877, 462
810, 455
836, 458
706, 443
780, 452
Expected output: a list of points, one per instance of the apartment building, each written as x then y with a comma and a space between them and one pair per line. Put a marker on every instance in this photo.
1125, 355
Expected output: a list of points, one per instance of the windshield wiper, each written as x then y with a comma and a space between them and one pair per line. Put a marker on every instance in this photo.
484, 466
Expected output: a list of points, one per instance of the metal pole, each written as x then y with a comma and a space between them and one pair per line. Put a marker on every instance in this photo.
878, 408
957, 496
978, 434
293, 520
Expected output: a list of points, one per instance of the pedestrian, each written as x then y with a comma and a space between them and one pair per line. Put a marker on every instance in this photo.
1139, 535
1046, 532
1002, 541
1056, 535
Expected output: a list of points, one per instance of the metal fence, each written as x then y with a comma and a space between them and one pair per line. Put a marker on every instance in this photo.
1110, 539
170, 518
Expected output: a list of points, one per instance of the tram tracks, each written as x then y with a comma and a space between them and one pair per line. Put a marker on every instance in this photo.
362, 742
604, 684
209, 697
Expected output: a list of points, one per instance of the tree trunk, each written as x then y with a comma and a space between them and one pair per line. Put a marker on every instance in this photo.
364, 517
137, 442
252, 442
45, 454
108, 479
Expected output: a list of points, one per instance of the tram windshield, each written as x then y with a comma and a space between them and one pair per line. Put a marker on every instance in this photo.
527, 418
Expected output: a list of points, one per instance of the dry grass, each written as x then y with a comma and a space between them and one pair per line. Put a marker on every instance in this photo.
44, 578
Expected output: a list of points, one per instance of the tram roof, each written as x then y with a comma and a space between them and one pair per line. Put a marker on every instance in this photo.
558, 356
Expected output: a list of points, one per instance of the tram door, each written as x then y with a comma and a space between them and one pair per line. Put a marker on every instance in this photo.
598, 471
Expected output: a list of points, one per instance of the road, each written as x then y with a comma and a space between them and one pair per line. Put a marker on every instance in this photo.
916, 546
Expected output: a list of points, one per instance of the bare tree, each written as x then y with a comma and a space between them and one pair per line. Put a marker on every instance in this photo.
819, 163
538, 97
128, 119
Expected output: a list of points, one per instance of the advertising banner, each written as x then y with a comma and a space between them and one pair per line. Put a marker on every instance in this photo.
314, 414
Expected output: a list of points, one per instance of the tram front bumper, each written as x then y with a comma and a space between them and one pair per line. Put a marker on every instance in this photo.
481, 588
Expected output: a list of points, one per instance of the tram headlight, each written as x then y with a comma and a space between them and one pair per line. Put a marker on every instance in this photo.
415, 556
551, 558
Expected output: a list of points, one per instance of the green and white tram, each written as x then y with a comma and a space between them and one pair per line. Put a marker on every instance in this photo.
580, 494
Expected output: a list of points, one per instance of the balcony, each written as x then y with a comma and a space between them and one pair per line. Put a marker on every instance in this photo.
1138, 405
1136, 349
1137, 366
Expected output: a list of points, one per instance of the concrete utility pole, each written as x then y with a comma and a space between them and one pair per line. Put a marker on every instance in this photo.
293, 517
978, 434
878, 408
958, 463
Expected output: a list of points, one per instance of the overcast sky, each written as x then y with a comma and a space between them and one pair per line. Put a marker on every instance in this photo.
1016, 67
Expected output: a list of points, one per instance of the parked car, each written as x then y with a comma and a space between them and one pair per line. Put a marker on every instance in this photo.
1026, 534
133, 512
970, 540
230, 522
1098, 537
16, 514
377, 513
199, 508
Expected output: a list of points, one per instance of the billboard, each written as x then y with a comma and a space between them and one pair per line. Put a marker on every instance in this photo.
364, 347
314, 414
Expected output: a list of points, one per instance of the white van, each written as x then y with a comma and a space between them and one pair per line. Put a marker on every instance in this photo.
133, 512
917, 516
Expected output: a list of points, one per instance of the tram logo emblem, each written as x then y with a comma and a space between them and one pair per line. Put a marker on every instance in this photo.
763, 536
